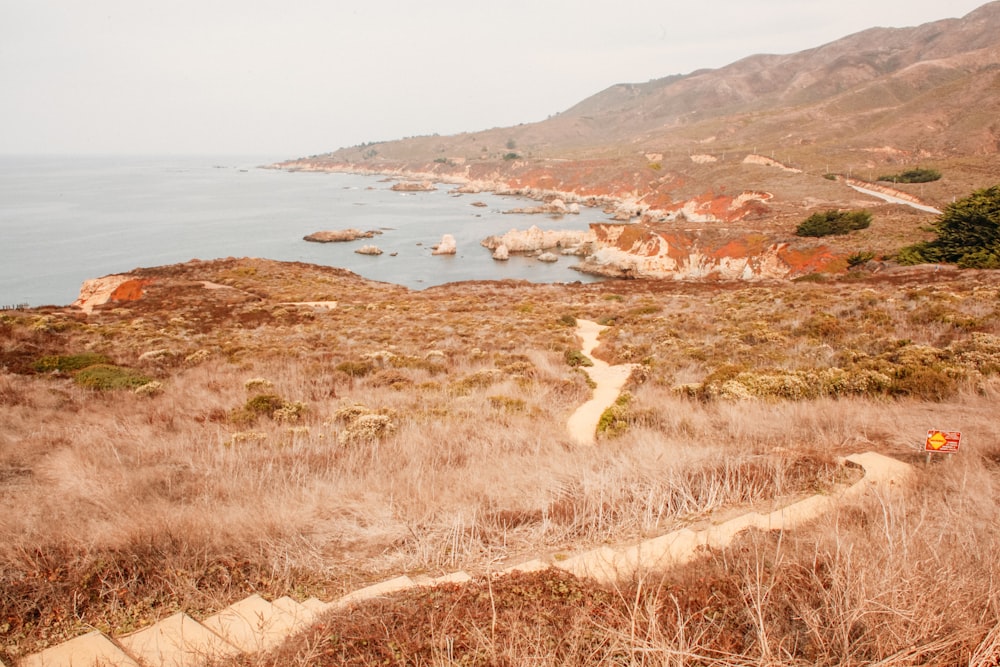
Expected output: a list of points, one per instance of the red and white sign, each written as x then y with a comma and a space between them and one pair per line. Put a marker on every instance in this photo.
943, 442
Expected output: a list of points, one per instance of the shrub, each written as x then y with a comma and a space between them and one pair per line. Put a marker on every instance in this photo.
106, 377
576, 358
511, 156
355, 368
507, 403
264, 404
968, 234
859, 258
913, 176
614, 421
833, 222
367, 428
69, 363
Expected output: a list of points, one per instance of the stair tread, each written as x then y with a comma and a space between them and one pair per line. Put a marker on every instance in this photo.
177, 641
302, 614
86, 650
252, 624
383, 588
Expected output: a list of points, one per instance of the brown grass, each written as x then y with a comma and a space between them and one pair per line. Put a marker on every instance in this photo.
117, 508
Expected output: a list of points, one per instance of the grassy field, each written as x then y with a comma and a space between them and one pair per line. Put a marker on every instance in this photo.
189, 448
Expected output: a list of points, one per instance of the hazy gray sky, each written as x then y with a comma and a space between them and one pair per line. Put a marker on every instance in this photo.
299, 77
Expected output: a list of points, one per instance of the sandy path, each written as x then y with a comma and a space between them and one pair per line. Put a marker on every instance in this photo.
582, 424
895, 200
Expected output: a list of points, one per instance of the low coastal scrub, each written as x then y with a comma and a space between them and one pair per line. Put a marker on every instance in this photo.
450, 452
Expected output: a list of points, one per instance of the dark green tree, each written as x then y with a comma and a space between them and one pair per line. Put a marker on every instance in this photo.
968, 234
833, 222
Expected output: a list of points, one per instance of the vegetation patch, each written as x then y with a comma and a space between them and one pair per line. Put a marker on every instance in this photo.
968, 234
69, 363
270, 406
833, 222
913, 176
576, 358
106, 377
615, 420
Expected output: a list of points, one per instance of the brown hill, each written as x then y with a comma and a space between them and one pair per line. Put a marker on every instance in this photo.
931, 91
689, 150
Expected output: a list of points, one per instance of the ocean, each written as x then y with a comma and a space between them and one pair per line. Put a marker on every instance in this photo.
66, 219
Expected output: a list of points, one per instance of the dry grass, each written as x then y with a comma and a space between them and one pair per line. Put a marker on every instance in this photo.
117, 508
906, 579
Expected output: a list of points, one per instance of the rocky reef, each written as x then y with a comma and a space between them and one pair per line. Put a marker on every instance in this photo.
340, 236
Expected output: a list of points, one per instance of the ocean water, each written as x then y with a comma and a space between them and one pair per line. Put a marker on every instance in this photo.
66, 219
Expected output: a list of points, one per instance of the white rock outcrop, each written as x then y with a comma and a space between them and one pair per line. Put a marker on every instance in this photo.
501, 253
447, 246
533, 239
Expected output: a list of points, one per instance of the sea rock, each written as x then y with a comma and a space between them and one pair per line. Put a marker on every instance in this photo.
533, 239
479, 204
548, 257
446, 247
501, 253
554, 207
369, 250
411, 186
340, 236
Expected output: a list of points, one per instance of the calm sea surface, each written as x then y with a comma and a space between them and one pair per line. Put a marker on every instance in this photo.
66, 219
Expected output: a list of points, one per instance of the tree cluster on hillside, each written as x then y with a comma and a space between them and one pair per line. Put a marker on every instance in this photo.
833, 222
913, 176
968, 234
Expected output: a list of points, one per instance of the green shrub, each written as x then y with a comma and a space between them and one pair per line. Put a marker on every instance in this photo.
576, 358
568, 320
355, 368
264, 404
615, 420
511, 156
106, 377
833, 222
913, 176
69, 363
859, 258
968, 234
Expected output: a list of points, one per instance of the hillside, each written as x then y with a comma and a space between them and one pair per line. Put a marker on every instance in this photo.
686, 152
221, 428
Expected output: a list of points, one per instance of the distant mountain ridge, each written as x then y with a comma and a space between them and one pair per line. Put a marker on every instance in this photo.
933, 88
871, 72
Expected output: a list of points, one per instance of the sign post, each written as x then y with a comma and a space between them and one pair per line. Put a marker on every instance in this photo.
942, 442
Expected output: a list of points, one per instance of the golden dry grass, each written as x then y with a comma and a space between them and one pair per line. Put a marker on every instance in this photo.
117, 507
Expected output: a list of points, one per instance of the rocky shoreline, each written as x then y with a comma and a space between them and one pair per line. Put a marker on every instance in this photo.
639, 241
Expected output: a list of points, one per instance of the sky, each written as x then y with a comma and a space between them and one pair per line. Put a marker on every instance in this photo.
298, 77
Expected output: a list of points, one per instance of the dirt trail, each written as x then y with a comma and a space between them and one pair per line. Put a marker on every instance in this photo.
582, 424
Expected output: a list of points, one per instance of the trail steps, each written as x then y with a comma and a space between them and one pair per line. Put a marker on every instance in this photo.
253, 625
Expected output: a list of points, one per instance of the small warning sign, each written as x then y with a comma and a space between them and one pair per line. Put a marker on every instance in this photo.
944, 442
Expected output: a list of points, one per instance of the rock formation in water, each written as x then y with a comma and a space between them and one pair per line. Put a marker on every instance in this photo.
447, 246
410, 186
534, 239
340, 236
369, 250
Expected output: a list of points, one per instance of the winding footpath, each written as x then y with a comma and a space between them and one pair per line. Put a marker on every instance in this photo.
608, 381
